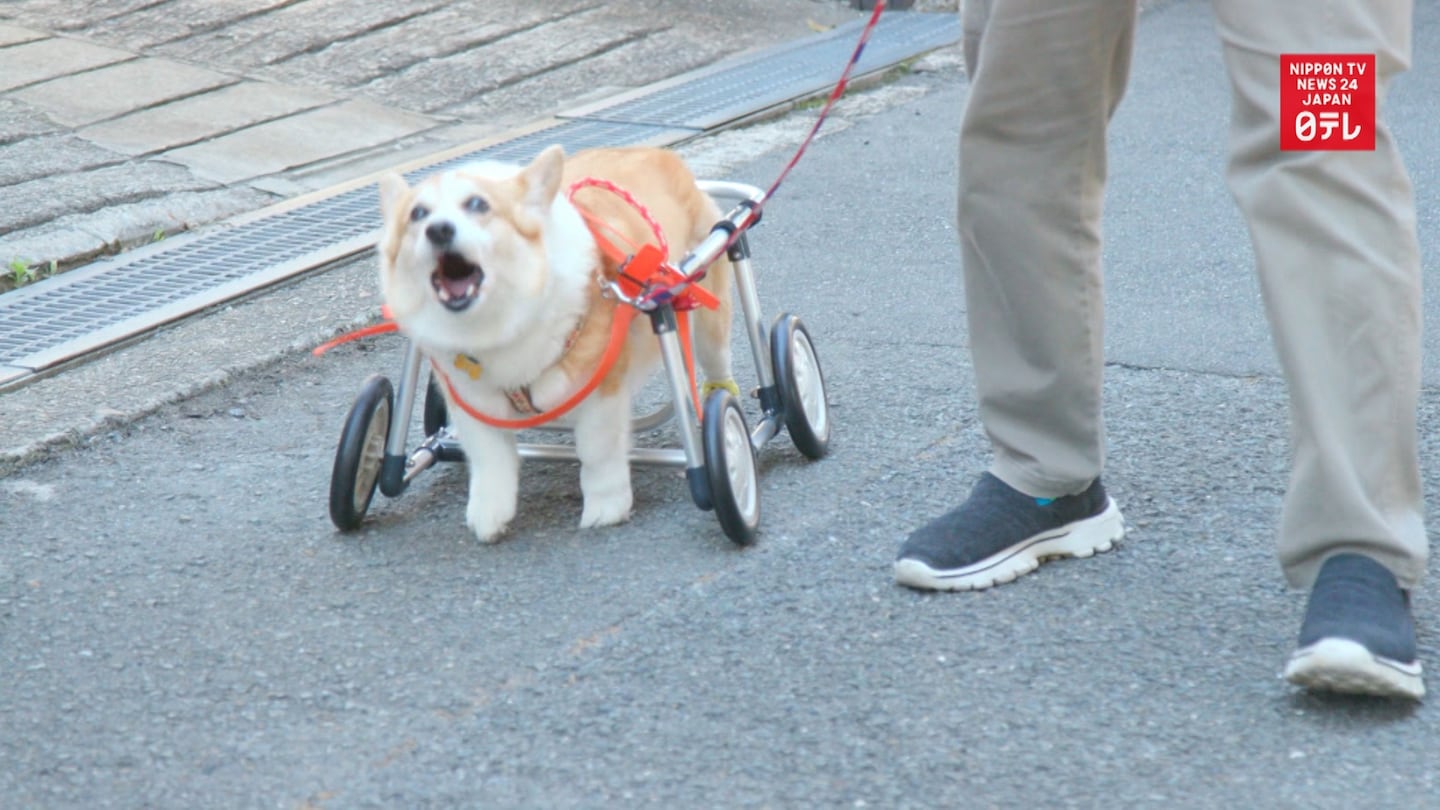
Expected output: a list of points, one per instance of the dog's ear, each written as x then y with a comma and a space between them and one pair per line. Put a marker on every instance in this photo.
542, 177
393, 189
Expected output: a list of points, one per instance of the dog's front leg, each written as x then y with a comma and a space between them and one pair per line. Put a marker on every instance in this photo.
494, 465
602, 442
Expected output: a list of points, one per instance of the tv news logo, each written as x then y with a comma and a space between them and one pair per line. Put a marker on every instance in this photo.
1327, 101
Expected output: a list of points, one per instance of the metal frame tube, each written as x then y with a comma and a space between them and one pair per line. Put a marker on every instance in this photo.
678, 376
737, 220
750, 307
404, 402
651, 456
768, 429
728, 190
424, 457
654, 419
638, 424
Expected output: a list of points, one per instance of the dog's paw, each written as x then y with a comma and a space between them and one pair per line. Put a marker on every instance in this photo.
606, 511
487, 524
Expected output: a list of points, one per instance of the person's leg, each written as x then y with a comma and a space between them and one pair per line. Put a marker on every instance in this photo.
1336, 251
1045, 77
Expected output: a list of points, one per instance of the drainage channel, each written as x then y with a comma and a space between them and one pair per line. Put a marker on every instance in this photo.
87, 309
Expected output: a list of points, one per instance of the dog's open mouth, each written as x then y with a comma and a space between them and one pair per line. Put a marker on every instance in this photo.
456, 281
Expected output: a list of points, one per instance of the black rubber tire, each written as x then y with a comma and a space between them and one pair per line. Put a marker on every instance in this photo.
728, 454
360, 453
435, 414
801, 385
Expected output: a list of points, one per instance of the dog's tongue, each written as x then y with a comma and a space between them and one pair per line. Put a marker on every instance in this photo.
457, 287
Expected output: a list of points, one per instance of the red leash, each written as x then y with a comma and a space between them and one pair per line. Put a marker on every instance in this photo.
835, 94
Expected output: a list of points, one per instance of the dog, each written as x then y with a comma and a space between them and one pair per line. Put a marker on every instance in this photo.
493, 272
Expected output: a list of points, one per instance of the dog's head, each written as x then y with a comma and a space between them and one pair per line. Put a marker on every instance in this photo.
463, 262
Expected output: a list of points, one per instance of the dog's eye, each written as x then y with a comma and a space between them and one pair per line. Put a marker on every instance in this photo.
418, 213
477, 205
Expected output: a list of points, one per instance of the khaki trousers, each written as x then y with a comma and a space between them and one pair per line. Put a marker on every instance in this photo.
1334, 238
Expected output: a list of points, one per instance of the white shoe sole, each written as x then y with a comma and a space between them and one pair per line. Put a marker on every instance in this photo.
1342, 665
1083, 538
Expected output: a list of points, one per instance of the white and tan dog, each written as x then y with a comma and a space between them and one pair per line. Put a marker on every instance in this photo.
491, 270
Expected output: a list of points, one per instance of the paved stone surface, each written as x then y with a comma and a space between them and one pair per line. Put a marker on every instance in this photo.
19, 121
11, 35
100, 188
39, 60
264, 99
297, 140
118, 89
188, 121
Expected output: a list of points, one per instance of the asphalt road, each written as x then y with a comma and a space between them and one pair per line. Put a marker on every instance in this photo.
181, 626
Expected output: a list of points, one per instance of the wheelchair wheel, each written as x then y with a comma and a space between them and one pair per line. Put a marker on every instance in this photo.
360, 453
434, 413
730, 468
801, 385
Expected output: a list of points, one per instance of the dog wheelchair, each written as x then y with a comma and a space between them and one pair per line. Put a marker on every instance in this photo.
717, 447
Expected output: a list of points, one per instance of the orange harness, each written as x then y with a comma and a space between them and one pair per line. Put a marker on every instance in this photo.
642, 272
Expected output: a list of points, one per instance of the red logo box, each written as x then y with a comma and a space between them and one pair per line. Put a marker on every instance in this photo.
1327, 101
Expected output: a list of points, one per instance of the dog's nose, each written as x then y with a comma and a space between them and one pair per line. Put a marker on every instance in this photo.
440, 234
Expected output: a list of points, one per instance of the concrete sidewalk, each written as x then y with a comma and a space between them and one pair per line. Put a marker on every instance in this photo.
123, 122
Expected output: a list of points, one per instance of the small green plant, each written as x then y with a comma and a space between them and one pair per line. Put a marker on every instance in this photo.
20, 271
158, 235
813, 103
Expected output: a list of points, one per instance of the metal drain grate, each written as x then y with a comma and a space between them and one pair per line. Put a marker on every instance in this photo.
70, 315
85, 309
59, 319
713, 96
573, 135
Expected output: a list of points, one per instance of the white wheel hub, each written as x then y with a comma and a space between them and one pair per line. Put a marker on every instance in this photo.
808, 383
372, 454
740, 465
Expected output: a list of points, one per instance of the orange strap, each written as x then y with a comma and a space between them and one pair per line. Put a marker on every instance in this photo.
607, 247
682, 323
645, 266
623, 317
377, 329
636, 205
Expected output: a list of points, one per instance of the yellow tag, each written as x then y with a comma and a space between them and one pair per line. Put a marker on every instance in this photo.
469, 365
714, 385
